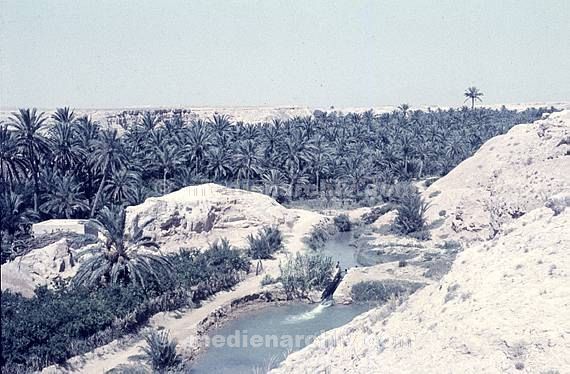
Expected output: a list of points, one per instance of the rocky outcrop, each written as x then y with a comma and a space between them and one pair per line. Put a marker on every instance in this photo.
197, 215
41, 267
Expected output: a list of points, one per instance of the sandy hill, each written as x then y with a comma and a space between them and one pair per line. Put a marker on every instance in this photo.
510, 175
504, 305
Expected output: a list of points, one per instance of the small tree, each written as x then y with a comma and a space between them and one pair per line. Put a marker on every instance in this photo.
410, 211
267, 241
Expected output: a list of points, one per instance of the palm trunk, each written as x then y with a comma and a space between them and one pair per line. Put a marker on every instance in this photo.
34, 175
248, 180
100, 189
318, 179
164, 181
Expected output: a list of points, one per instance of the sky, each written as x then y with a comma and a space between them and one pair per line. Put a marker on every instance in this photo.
113, 54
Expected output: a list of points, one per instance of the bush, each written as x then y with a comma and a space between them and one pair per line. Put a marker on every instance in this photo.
319, 236
57, 324
411, 210
303, 273
161, 351
375, 213
267, 241
342, 223
381, 291
267, 280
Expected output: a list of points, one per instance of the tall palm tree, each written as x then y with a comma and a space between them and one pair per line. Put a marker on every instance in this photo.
87, 132
107, 155
120, 261
219, 163
473, 93
198, 143
66, 149
13, 164
28, 125
64, 198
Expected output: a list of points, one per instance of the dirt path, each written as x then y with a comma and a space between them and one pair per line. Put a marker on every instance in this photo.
183, 324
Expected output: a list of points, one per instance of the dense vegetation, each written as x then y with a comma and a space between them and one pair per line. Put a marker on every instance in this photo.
305, 272
62, 166
57, 324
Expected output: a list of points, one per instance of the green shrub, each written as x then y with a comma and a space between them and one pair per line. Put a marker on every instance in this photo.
267, 280
319, 235
381, 291
267, 241
306, 272
411, 210
161, 351
342, 223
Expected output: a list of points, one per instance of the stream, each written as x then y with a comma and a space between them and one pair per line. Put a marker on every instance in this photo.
280, 330
260, 339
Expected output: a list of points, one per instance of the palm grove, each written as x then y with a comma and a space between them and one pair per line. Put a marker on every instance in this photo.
64, 166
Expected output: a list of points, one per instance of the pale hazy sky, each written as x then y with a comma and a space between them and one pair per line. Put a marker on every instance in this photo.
317, 53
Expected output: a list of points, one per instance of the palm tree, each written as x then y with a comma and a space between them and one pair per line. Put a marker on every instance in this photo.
107, 155
122, 185
66, 149
274, 183
219, 162
64, 115
168, 158
120, 261
13, 163
14, 215
247, 160
198, 143
473, 93
64, 198
28, 125
149, 122
404, 108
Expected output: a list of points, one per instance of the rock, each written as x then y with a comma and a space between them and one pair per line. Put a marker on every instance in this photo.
558, 202
40, 267
198, 215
